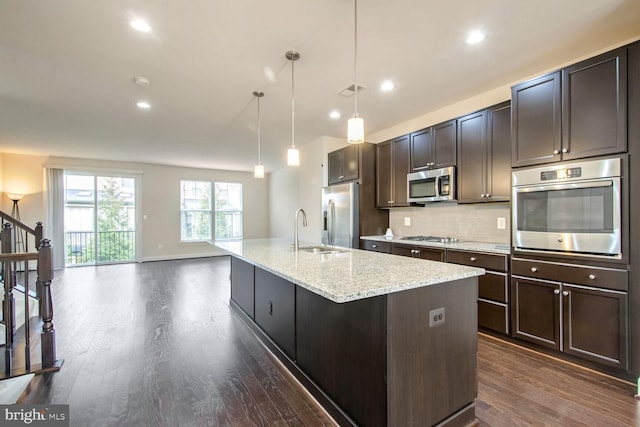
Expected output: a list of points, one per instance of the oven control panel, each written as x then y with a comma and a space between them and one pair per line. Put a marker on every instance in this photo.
561, 174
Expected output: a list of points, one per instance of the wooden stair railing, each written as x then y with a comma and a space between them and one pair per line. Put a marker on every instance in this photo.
8, 261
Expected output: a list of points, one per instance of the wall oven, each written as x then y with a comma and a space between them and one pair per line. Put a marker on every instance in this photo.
571, 208
435, 185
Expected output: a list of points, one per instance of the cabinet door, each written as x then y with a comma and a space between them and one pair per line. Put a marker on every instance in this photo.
430, 254
595, 324
383, 175
421, 149
275, 309
535, 311
403, 250
536, 121
242, 285
594, 115
499, 153
350, 163
472, 158
444, 144
336, 162
401, 154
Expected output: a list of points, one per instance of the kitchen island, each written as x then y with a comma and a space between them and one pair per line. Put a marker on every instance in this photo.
378, 339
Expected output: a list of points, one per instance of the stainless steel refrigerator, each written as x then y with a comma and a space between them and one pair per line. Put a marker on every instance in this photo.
340, 217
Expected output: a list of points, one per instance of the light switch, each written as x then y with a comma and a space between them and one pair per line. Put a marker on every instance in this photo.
407, 221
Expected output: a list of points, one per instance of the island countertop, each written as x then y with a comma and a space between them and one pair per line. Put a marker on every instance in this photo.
350, 275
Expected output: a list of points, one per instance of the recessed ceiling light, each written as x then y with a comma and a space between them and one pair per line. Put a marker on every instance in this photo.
475, 37
143, 105
334, 114
387, 85
140, 25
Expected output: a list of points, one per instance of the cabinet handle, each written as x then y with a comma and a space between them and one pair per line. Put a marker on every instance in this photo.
390, 201
565, 293
533, 269
482, 196
487, 195
374, 246
565, 150
556, 291
472, 259
270, 308
592, 276
556, 152
341, 176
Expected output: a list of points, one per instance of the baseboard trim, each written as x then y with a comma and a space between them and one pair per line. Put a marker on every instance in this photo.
182, 256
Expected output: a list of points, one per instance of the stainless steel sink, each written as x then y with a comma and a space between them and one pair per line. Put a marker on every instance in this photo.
322, 250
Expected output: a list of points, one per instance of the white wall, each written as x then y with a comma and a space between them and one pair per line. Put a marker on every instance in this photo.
160, 199
283, 201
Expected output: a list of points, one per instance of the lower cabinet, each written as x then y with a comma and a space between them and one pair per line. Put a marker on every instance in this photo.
375, 246
242, 285
493, 287
418, 252
587, 322
275, 309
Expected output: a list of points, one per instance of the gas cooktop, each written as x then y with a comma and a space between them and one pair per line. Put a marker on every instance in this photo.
431, 239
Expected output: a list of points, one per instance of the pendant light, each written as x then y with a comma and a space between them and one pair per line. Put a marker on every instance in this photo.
355, 126
293, 155
258, 170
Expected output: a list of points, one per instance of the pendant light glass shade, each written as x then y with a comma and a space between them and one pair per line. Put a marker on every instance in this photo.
293, 155
355, 130
258, 170
355, 125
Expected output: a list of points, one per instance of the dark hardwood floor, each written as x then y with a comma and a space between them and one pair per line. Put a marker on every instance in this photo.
156, 344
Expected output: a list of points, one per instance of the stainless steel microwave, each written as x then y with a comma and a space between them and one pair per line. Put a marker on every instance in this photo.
572, 208
436, 185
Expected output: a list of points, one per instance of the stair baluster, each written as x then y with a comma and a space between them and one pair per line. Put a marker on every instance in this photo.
45, 276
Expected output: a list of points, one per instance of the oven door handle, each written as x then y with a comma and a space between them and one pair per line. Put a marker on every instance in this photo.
437, 184
565, 186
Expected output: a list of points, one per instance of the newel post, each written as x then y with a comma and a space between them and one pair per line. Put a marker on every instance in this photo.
45, 276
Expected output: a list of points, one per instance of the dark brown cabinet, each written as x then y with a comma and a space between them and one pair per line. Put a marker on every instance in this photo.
242, 285
416, 251
484, 153
434, 147
585, 321
275, 309
375, 246
392, 167
493, 287
578, 112
344, 164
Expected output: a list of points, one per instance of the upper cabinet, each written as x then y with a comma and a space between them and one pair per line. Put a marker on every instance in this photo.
344, 164
580, 111
392, 167
484, 152
434, 147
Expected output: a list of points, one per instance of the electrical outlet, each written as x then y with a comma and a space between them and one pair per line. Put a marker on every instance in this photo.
502, 223
144, 217
436, 317
407, 221
160, 246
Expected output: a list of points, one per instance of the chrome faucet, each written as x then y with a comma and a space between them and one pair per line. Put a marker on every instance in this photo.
296, 244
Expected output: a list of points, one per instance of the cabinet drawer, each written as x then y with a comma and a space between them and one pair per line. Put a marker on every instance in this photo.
493, 316
493, 286
494, 262
609, 278
376, 246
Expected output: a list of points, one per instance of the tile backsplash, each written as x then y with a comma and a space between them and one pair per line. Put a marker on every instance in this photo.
477, 223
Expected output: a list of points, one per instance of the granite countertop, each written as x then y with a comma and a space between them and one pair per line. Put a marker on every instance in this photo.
496, 248
347, 276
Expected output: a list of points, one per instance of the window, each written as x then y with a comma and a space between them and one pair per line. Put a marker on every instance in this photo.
228, 207
195, 210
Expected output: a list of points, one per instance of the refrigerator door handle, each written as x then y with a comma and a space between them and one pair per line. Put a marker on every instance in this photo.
331, 221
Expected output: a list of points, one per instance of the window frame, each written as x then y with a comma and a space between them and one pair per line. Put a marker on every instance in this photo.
208, 211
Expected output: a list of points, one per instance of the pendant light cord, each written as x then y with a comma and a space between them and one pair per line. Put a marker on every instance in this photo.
293, 144
355, 59
259, 130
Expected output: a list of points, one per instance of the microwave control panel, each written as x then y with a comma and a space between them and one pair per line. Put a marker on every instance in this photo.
561, 174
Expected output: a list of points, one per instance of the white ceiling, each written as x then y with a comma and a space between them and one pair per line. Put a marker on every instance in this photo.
66, 69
